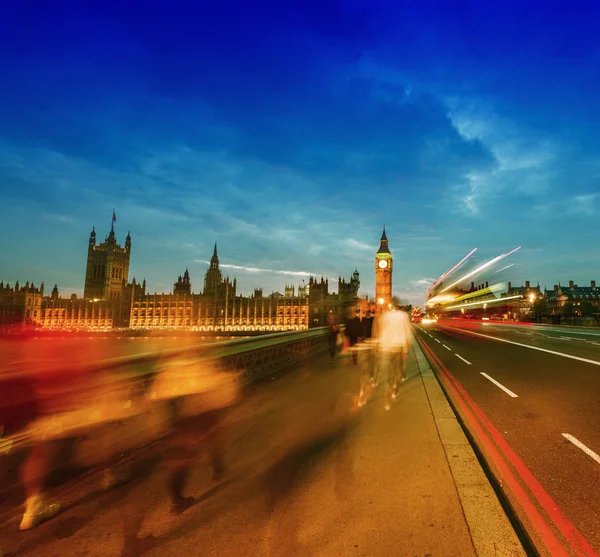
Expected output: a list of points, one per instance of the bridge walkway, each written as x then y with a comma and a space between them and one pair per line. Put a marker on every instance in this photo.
309, 474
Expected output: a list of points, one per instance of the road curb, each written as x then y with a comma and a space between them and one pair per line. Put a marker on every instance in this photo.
491, 532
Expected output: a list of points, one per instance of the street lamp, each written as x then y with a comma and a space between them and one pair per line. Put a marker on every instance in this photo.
380, 301
531, 298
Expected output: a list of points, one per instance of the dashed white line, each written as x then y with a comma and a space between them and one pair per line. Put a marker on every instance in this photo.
579, 444
446, 347
507, 391
459, 356
570, 356
437, 340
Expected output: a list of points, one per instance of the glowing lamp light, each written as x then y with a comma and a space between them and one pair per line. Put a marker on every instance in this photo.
531, 298
380, 301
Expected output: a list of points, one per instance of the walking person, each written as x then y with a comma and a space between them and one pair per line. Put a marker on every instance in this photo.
395, 341
334, 332
375, 326
353, 330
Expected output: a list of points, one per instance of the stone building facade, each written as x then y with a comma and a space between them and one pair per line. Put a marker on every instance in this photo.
110, 301
559, 296
383, 272
107, 267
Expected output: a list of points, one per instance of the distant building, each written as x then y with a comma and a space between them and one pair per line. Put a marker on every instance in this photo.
574, 294
107, 269
383, 272
21, 305
219, 307
110, 301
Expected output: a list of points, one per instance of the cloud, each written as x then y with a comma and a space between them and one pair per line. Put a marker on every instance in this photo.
583, 204
250, 269
359, 245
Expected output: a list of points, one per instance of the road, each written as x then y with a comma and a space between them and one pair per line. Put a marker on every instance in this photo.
538, 390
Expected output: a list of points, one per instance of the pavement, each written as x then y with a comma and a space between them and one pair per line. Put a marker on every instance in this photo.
309, 474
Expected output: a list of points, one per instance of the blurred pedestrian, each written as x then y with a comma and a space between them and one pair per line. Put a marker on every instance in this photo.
353, 330
395, 341
334, 333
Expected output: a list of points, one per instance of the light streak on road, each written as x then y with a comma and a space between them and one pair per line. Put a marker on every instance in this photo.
500, 385
497, 300
459, 356
503, 269
447, 273
579, 444
481, 268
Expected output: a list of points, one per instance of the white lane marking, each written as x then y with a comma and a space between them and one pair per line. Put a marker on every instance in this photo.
430, 335
570, 356
507, 391
438, 340
459, 356
447, 347
566, 331
563, 338
579, 444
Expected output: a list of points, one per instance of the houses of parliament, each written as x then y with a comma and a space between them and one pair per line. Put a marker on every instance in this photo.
111, 300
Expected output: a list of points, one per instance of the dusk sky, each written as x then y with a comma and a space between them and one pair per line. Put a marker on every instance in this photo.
291, 132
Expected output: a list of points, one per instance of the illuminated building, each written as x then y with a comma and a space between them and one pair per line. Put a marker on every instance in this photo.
107, 270
21, 305
383, 272
560, 296
111, 301
219, 307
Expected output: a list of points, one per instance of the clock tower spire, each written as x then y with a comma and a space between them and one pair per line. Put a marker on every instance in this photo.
383, 272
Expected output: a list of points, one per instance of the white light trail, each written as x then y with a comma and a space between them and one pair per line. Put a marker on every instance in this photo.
481, 268
452, 270
503, 269
495, 301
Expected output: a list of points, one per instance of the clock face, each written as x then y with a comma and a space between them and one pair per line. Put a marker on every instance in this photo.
383, 263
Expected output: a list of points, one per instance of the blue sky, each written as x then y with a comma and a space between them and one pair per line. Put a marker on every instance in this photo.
290, 132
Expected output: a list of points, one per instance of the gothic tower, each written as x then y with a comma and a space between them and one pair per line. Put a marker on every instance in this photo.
383, 272
213, 278
107, 268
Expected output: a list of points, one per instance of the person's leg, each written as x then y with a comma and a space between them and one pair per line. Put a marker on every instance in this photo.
395, 372
375, 362
33, 475
404, 365
386, 371
332, 346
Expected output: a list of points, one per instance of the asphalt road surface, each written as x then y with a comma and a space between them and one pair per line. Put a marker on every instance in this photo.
539, 387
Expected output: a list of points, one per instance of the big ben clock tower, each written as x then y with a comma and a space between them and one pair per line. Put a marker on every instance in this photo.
383, 273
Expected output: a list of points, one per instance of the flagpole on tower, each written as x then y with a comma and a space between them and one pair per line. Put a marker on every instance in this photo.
114, 219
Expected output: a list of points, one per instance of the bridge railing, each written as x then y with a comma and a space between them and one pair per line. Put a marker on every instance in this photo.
36, 406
